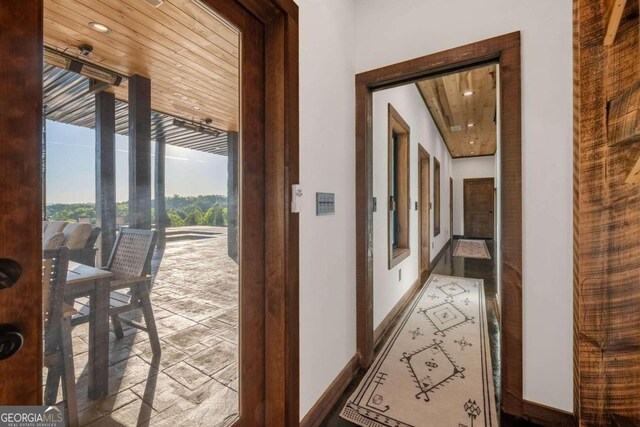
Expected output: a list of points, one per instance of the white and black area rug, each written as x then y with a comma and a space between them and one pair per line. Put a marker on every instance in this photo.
472, 249
435, 370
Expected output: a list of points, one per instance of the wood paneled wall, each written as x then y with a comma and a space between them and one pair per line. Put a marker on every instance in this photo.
606, 222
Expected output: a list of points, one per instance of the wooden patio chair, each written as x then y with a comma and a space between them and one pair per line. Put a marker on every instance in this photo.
58, 351
130, 263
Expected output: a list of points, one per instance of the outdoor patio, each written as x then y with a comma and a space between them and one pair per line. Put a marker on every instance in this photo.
195, 302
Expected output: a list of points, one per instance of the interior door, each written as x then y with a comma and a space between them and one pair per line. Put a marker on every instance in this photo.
424, 169
21, 120
478, 208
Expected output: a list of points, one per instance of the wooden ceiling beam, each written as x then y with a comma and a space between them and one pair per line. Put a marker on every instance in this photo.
613, 23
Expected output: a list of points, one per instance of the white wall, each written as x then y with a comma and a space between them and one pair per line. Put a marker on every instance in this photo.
327, 164
387, 288
472, 167
393, 31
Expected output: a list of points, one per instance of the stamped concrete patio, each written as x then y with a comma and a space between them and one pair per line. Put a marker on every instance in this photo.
195, 380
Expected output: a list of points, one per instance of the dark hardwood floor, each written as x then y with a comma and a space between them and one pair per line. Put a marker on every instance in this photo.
461, 267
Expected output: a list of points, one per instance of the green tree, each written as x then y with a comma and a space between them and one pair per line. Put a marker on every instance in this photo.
219, 218
175, 220
194, 217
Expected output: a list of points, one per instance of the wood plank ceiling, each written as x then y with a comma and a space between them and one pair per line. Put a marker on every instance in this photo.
190, 54
466, 123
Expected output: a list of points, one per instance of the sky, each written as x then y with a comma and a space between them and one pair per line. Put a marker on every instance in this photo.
71, 167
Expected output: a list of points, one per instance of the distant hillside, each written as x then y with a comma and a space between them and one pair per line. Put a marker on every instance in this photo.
191, 210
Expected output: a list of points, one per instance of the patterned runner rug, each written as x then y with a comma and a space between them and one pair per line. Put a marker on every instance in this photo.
472, 249
435, 370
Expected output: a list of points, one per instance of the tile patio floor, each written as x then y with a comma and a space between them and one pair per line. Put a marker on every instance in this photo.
195, 380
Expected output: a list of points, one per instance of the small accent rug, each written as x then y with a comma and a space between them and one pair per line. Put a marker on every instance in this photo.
472, 249
435, 370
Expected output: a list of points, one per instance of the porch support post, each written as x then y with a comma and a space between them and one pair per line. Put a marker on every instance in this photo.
161, 206
139, 152
105, 117
232, 195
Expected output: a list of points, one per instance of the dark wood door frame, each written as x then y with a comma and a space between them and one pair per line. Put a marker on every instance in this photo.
21, 46
450, 208
423, 155
465, 204
504, 50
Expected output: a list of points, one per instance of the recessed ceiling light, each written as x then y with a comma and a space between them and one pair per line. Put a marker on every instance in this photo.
184, 97
472, 142
470, 125
101, 28
467, 93
473, 152
195, 107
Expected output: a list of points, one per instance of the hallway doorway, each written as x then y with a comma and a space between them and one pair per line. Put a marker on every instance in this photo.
502, 51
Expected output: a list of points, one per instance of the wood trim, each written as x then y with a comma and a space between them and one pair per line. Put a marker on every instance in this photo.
20, 194
437, 197
450, 207
505, 50
424, 156
329, 398
398, 126
398, 308
441, 253
544, 415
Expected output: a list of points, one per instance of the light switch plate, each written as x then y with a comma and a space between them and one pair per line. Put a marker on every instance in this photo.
325, 204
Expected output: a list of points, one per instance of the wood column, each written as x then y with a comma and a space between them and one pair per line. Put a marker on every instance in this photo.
232, 195
105, 173
160, 196
139, 152
606, 222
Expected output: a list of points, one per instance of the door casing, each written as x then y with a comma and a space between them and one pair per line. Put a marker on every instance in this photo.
424, 205
504, 50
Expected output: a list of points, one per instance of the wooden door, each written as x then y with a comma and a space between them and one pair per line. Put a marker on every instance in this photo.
424, 216
478, 208
21, 49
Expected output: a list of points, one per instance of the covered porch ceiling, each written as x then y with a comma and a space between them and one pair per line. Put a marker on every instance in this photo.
190, 54
67, 99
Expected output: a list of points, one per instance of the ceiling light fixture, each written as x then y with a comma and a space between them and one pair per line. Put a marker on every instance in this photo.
472, 142
473, 152
470, 125
467, 93
195, 107
101, 28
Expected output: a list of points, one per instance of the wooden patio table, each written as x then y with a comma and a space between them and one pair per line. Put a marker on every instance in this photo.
83, 280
